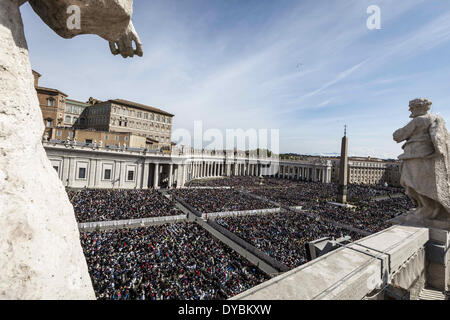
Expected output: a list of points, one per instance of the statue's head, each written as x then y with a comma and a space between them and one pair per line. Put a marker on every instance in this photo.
419, 107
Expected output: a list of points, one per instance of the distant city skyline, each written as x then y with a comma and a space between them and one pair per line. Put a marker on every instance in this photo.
306, 68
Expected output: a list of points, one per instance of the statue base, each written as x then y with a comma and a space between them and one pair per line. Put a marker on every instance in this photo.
436, 250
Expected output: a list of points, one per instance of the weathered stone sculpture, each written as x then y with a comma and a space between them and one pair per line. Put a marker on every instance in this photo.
40, 252
425, 164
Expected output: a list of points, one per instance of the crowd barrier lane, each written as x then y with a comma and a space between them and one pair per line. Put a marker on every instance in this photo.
250, 248
203, 187
130, 222
239, 213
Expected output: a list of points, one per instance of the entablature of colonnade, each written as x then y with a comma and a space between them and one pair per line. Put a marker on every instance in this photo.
68, 150
306, 163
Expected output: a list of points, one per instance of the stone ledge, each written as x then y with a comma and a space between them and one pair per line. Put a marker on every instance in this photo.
348, 273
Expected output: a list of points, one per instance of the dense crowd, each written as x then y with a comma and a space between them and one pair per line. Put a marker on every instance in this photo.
358, 192
371, 216
102, 204
299, 193
183, 261
241, 182
219, 200
283, 235
175, 261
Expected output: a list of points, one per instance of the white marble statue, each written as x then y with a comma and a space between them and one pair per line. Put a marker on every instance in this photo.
40, 252
425, 164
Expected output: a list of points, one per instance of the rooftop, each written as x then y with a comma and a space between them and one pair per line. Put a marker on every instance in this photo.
140, 106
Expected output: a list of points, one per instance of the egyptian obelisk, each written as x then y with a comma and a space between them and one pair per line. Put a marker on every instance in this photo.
343, 170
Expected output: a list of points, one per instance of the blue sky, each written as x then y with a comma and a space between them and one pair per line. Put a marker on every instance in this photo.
303, 67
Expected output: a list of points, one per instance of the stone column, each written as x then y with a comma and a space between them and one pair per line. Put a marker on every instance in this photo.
156, 176
72, 168
183, 180
92, 171
170, 176
179, 175
145, 176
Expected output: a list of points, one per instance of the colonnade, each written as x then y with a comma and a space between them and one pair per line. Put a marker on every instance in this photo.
211, 169
314, 173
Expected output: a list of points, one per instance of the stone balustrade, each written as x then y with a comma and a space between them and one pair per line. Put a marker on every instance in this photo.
365, 268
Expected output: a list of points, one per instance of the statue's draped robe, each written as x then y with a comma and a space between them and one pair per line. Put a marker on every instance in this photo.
425, 165
40, 252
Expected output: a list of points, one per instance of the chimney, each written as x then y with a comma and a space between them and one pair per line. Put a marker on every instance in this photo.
36, 75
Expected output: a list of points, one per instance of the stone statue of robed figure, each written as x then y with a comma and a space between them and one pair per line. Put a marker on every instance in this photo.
425, 163
40, 252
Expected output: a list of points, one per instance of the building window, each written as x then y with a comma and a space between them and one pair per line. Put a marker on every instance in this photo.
117, 138
81, 173
130, 175
48, 123
71, 134
68, 119
106, 137
58, 133
126, 138
107, 174
146, 116
50, 102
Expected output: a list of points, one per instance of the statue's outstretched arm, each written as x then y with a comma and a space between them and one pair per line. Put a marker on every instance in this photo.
405, 132
110, 19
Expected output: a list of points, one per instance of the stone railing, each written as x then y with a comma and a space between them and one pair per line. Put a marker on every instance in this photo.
392, 257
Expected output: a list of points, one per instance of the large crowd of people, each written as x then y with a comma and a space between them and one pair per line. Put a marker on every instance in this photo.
298, 194
358, 192
103, 204
183, 261
175, 261
371, 216
283, 235
219, 200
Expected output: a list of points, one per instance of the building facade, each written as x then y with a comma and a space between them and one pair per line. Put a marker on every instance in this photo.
73, 111
114, 122
127, 116
369, 171
53, 104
